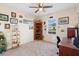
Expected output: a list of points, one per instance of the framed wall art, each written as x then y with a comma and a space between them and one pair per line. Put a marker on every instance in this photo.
4, 17
20, 16
63, 20
13, 20
30, 27
44, 22
20, 21
25, 21
7, 26
51, 26
0, 23
13, 14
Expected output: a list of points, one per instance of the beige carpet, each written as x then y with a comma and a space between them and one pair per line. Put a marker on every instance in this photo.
35, 48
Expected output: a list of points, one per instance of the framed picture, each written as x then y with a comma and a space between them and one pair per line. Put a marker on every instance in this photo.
31, 27
13, 20
20, 21
0, 23
4, 17
25, 21
7, 26
13, 14
51, 26
63, 20
20, 16
44, 22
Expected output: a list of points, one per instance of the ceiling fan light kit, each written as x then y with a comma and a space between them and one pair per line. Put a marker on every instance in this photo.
40, 7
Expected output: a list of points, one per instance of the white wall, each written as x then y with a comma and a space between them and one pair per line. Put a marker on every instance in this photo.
72, 13
26, 35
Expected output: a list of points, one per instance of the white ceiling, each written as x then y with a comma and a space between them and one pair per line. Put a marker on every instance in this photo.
25, 7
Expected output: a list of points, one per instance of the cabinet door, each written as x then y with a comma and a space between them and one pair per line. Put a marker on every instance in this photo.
75, 52
65, 51
71, 32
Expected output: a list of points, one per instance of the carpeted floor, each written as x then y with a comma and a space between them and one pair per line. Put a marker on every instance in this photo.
35, 48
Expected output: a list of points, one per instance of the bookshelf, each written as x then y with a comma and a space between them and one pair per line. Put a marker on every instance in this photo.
38, 30
15, 36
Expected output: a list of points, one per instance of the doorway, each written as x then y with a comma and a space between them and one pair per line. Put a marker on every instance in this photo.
38, 30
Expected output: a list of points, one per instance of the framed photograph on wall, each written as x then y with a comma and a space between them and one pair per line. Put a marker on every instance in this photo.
7, 26
4, 17
13, 14
20, 16
20, 21
51, 25
63, 20
30, 27
0, 23
13, 20
25, 21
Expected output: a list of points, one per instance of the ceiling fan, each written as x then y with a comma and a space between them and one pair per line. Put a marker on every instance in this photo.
40, 7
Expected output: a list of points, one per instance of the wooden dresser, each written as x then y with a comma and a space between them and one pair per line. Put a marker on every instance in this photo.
66, 48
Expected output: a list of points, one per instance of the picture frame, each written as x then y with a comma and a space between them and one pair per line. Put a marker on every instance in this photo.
63, 20
20, 16
30, 27
25, 21
13, 14
7, 26
20, 21
0, 23
4, 17
51, 26
13, 20
44, 22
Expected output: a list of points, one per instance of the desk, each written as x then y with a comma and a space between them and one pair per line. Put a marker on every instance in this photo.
66, 48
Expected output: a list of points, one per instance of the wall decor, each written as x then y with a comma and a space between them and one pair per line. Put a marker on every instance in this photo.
62, 30
13, 14
0, 24
30, 27
51, 17
20, 21
4, 17
51, 26
44, 22
25, 21
20, 16
63, 20
7, 26
13, 20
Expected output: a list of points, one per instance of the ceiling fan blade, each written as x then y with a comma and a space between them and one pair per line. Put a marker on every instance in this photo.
47, 6
36, 10
40, 5
33, 7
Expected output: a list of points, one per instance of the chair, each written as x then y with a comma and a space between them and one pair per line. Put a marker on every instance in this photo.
58, 41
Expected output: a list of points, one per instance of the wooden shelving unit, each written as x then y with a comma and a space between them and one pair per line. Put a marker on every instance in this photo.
38, 30
15, 37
